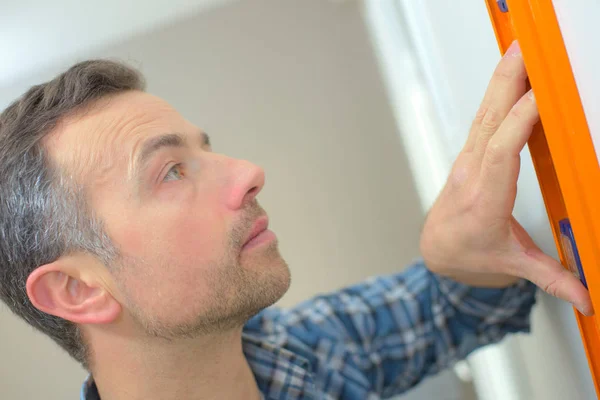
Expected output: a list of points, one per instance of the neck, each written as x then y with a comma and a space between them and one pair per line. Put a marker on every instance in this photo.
210, 367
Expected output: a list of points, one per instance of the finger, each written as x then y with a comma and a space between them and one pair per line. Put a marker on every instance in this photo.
500, 165
507, 85
554, 279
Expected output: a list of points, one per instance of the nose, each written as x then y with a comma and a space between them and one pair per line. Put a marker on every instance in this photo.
246, 181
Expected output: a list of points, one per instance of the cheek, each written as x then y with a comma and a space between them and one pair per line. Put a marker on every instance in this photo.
171, 251
191, 230
197, 239
182, 252
179, 232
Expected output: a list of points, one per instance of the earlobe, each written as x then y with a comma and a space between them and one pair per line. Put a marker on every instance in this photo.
74, 298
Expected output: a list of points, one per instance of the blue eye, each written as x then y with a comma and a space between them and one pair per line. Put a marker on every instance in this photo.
175, 173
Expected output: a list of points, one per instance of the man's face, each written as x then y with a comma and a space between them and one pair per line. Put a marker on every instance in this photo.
181, 216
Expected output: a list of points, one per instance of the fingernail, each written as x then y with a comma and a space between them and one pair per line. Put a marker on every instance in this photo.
584, 310
531, 95
514, 50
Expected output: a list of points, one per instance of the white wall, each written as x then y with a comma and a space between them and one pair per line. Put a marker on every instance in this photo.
34, 32
293, 86
454, 46
579, 25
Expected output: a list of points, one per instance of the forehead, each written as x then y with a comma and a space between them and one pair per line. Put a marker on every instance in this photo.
108, 133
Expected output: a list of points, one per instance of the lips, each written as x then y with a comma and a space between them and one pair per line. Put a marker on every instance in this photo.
260, 225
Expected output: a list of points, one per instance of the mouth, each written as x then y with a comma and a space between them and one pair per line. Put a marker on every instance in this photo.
259, 234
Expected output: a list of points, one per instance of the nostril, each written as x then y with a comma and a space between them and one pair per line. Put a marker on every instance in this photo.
253, 191
250, 196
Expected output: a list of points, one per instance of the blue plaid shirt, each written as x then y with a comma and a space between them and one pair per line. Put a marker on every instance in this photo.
377, 339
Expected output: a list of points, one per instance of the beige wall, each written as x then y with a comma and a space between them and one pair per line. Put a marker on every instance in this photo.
292, 86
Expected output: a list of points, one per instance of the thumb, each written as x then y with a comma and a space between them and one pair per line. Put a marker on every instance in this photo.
547, 273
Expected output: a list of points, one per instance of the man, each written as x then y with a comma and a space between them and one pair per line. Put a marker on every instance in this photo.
146, 256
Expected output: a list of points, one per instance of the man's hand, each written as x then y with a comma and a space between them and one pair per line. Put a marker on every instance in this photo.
470, 234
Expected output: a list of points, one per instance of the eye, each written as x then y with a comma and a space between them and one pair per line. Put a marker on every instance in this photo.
175, 173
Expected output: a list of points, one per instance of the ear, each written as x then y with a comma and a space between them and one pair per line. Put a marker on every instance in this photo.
62, 292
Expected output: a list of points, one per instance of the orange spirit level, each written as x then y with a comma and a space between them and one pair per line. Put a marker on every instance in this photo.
561, 148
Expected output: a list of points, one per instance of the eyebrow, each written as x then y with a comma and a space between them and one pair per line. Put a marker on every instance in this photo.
152, 146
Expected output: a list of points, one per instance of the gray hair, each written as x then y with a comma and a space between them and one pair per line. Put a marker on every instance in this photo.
44, 213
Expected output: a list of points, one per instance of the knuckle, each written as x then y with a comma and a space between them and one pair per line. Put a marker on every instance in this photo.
472, 199
489, 118
552, 287
504, 72
495, 154
458, 177
516, 111
463, 171
510, 69
480, 115
526, 111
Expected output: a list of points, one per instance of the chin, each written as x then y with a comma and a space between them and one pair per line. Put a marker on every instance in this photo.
267, 283
240, 292
276, 281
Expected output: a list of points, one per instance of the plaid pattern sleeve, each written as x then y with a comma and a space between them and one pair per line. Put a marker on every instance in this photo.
382, 337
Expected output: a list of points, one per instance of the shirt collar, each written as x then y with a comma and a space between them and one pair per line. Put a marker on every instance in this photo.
279, 373
89, 390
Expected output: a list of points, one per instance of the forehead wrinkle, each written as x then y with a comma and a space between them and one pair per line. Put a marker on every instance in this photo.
92, 144
97, 152
125, 136
117, 143
132, 157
